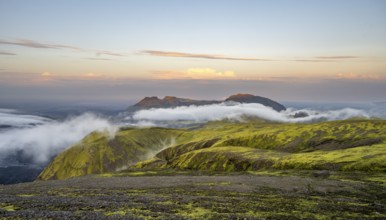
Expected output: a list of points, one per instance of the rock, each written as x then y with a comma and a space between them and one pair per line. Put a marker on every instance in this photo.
300, 115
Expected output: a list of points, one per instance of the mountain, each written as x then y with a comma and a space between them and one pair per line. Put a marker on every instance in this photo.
171, 101
349, 145
168, 102
248, 98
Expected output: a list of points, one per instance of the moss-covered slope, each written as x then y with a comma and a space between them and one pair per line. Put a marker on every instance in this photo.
97, 153
340, 145
230, 146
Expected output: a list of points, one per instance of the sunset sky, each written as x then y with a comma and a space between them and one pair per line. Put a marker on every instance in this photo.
123, 50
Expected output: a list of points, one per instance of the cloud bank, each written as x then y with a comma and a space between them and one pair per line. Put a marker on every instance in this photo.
10, 118
235, 111
39, 143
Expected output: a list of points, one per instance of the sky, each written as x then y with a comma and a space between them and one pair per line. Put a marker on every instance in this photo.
121, 51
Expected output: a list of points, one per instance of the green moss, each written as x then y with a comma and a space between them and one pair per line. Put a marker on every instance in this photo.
346, 159
120, 212
347, 145
141, 173
214, 184
8, 207
96, 153
194, 212
339, 145
26, 195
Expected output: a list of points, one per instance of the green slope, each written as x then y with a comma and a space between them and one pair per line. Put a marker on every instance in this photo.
230, 146
340, 145
96, 153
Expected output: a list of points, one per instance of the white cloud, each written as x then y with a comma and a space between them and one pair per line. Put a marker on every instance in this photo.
355, 76
208, 73
8, 117
39, 138
41, 142
196, 73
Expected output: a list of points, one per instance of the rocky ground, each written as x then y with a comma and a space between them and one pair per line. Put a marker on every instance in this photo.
198, 196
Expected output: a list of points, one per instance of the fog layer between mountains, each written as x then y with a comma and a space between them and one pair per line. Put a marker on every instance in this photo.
35, 139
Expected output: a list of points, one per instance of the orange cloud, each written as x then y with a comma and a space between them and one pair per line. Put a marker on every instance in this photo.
196, 73
93, 75
354, 76
46, 74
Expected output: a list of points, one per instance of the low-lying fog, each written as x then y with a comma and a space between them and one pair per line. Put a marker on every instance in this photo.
33, 139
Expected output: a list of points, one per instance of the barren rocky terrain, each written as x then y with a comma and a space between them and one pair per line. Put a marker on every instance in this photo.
147, 195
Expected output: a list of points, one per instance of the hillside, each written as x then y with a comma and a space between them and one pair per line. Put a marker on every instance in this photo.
97, 153
349, 145
339, 145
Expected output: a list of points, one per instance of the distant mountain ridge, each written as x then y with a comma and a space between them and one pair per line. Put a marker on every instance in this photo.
172, 101
248, 98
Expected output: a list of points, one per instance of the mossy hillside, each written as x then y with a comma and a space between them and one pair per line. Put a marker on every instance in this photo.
309, 137
97, 153
231, 158
340, 145
230, 146
280, 136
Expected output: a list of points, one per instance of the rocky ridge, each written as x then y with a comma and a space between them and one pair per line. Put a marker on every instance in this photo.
172, 101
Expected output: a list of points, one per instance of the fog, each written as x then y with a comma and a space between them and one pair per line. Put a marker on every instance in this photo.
37, 144
235, 111
35, 140
11, 118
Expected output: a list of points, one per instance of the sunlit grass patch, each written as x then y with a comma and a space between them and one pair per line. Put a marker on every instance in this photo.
8, 207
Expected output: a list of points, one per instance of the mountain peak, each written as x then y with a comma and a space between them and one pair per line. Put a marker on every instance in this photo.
168, 102
240, 95
170, 98
150, 101
248, 98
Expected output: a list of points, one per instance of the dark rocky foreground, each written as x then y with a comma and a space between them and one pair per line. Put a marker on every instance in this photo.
235, 196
